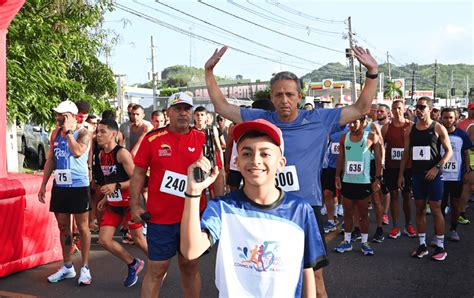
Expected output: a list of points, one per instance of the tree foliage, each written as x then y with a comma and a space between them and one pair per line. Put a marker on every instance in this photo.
52, 49
181, 76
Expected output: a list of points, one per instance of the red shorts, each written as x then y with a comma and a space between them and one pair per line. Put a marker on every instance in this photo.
114, 218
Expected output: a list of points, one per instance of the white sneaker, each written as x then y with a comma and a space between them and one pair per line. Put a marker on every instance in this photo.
62, 274
85, 278
323, 210
340, 210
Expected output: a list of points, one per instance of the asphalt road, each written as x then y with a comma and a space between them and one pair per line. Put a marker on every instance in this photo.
391, 272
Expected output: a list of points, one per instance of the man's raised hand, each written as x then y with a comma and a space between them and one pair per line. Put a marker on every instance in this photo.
366, 59
211, 63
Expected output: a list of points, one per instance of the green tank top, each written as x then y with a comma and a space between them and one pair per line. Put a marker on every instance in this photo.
357, 161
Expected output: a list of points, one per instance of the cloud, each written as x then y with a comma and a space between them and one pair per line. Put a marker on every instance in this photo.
454, 30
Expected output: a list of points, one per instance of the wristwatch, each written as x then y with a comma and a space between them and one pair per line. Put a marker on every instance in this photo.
371, 75
438, 166
69, 132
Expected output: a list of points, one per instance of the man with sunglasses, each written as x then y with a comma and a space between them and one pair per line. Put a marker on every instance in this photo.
423, 143
167, 153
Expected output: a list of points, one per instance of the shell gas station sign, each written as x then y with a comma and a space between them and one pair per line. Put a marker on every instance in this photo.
329, 84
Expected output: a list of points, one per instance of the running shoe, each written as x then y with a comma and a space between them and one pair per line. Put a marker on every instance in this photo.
378, 236
463, 220
356, 235
410, 231
454, 236
370, 206
394, 233
420, 252
366, 249
133, 271
329, 227
324, 211
439, 254
340, 210
343, 247
62, 274
385, 219
85, 278
126, 238
446, 210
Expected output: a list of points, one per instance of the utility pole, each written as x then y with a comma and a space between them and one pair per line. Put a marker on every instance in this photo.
389, 74
119, 95
389, 67
434, 86
452, 94
153, 75
412, 85
352, 60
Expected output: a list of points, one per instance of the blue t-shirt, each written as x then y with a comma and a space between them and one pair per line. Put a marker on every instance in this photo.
305, 144
262, 249
454, 168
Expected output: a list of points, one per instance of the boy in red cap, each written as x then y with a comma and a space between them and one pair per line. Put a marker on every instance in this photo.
260, 228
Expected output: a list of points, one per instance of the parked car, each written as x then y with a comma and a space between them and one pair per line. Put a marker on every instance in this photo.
35, 142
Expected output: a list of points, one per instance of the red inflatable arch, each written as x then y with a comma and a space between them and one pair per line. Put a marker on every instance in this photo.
29, 236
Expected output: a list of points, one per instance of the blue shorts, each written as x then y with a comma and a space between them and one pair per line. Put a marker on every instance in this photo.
163, 241
427, 190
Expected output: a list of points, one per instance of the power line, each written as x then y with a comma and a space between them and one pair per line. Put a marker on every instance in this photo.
185, 32
283, 21
269, 29
230, 32
302, 14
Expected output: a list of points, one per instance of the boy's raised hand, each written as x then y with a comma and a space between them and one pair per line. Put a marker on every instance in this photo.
195, 188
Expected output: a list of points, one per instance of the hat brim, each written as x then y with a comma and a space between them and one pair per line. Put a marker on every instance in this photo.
245, 127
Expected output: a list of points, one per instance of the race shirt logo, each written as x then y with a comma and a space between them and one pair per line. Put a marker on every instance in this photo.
191, 149
165, 150
58, 153
262, 257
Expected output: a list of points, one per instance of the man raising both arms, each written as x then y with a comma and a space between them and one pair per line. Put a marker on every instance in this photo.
302, 130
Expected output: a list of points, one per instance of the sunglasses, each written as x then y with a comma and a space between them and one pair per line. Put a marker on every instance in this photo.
420, 107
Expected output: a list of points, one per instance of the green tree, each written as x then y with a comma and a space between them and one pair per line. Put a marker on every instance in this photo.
52, 49
392, 90
262, 94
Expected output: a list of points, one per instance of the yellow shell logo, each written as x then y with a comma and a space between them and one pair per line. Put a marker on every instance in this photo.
327, 83
398, 84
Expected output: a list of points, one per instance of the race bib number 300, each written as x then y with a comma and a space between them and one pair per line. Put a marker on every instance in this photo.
288, 179
354, 167
421, 152
174, 183
397, 153
63, 177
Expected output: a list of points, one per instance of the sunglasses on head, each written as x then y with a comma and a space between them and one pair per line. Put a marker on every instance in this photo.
420, 107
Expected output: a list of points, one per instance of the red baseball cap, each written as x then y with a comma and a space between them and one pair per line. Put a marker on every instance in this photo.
470, 106
263, 126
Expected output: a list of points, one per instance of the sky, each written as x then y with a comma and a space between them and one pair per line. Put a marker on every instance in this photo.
301, 35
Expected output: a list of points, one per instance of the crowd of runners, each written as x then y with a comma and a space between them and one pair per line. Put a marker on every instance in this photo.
284, 176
